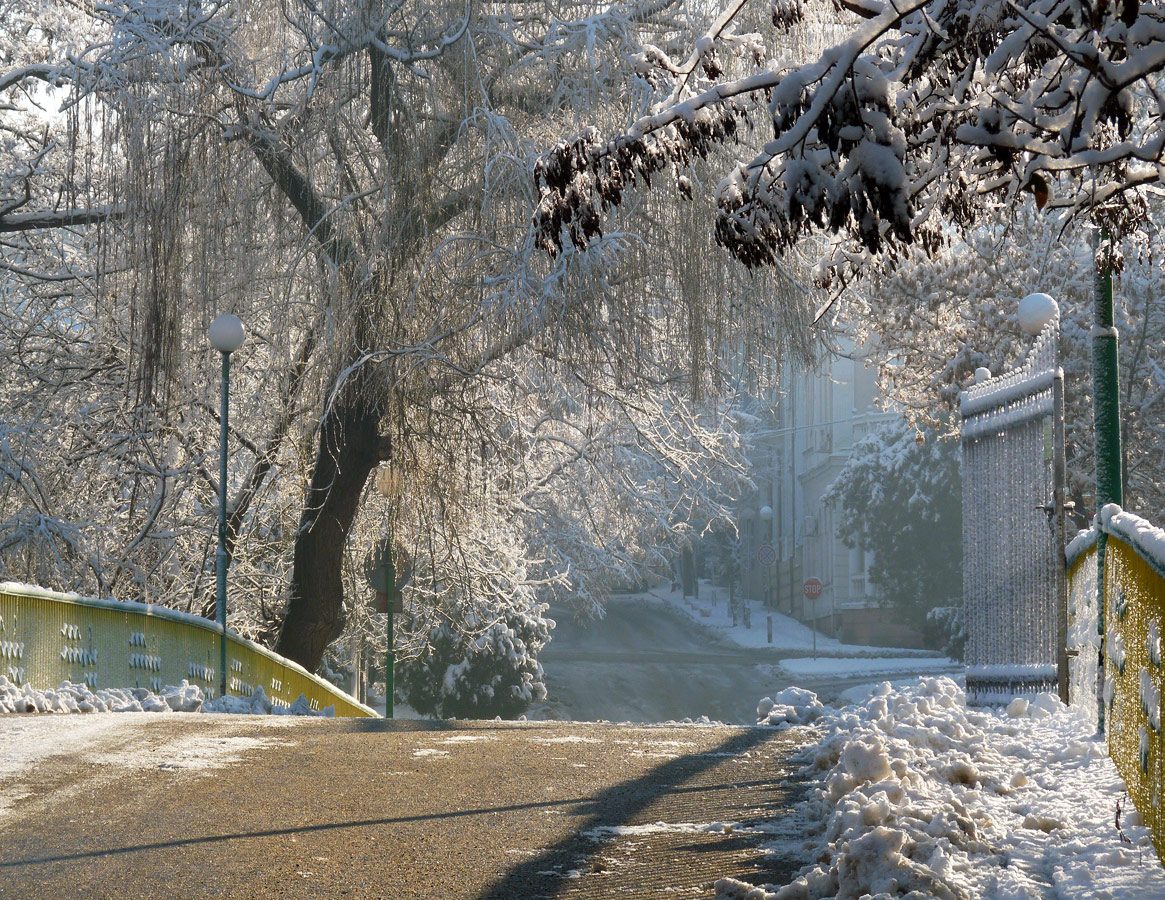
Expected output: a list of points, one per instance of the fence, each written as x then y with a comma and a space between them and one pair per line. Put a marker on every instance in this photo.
47, 638
1131, 555
1012, 452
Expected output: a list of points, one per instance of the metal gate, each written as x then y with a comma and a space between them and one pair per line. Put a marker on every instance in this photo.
1014, 589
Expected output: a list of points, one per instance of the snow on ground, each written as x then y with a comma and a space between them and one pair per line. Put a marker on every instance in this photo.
872, 666
921, 797
79, 698
712, 610
118, 743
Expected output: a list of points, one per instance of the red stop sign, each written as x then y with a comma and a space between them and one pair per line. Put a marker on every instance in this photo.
812, 588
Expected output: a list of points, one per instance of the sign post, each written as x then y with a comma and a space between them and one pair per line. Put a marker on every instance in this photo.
380, 571
812, 589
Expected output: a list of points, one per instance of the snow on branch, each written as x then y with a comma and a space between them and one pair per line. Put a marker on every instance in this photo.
63, 218
926, 106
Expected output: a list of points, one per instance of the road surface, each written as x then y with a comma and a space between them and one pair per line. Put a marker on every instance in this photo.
372, 809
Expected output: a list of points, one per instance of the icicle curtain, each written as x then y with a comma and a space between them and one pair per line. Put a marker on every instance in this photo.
1009, 585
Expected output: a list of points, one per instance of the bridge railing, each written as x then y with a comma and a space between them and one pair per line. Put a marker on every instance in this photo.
48, 637
1130, 557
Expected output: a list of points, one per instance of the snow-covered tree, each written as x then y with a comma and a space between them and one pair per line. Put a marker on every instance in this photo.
352, 180
936, 321
923, 114
899, 499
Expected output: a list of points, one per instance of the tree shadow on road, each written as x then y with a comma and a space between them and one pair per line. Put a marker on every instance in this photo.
743, 779
606, 858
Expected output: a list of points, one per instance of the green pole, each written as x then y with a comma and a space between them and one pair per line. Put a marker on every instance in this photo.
1106, 391
390, 656
1107, 433
221, 555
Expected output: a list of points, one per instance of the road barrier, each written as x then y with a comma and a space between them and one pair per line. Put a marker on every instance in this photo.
48, 637
1130, 556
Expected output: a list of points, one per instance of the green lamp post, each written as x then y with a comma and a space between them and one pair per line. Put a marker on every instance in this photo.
1107, 433
226, 336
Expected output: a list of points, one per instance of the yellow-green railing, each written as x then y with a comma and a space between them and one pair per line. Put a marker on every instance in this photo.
47, 638
1132, 568
1134, 618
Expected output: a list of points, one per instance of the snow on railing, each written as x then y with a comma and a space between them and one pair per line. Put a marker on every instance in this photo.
1132, 560
48, 637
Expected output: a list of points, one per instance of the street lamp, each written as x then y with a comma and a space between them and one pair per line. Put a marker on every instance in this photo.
766, 516
226, 336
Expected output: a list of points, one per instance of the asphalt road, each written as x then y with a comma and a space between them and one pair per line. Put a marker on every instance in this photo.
397, 810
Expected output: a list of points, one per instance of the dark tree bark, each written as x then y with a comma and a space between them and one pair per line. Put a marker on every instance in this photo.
350, 448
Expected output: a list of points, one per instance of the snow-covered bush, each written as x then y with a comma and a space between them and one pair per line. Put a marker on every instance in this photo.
468, 671
946, 629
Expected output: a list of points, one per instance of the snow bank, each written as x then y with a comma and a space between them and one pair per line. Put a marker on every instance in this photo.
792, 706
921, 797
79, 698
186, 697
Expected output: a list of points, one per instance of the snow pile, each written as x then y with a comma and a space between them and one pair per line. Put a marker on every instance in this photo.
921, 797
79, 698
792, 706
258, 704
186, 697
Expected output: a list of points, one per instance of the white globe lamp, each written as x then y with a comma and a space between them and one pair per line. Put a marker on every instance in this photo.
1036, 311
982, 374
227, 333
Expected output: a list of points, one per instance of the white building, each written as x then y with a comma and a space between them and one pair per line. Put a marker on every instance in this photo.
817, 419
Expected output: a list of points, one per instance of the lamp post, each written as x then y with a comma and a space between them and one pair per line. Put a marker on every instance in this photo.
1109, 456
226, 336
766, 516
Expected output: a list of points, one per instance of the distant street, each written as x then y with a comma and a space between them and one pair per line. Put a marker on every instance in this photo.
393, 810
645, 663
649, 663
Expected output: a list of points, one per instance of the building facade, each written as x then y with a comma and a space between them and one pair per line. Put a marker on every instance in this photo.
809, 572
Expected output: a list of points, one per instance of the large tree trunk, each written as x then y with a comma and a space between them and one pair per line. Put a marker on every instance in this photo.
349, 449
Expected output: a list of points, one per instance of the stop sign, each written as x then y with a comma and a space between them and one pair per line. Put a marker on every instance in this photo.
812, 588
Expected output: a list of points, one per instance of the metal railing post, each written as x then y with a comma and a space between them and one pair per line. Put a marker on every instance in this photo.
1059, 478
1106, 428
